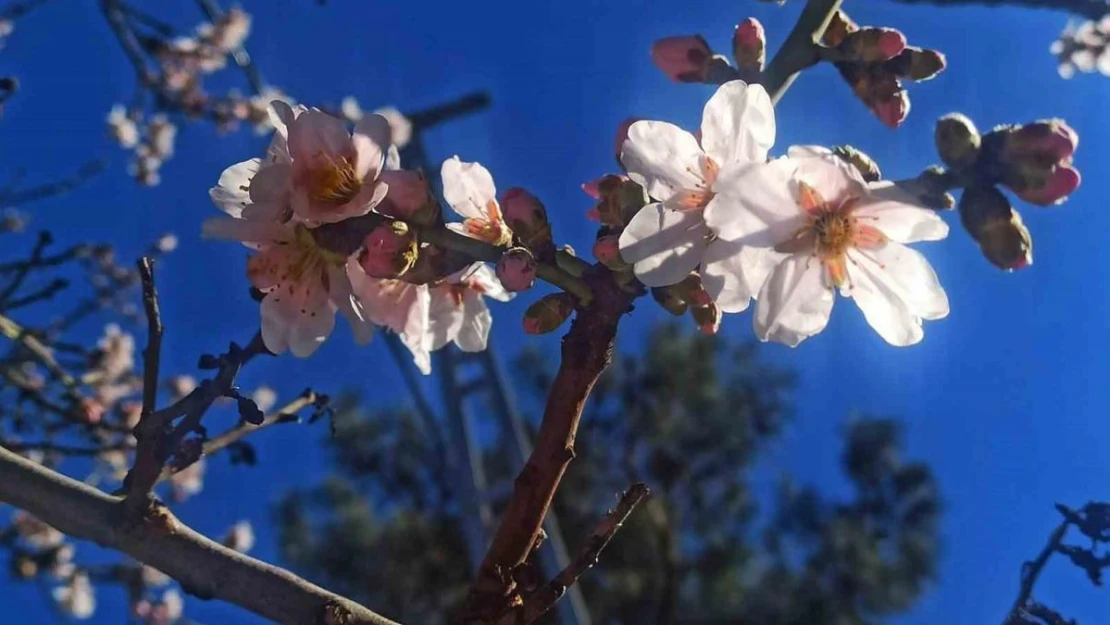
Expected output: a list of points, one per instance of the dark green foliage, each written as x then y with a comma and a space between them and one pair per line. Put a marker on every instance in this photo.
688, 416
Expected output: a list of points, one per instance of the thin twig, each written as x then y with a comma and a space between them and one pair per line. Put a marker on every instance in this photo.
21, 274
153, 352
543, 599
66, 450
799, 51
284, 414
117, 20
1030, 571
50, 290
240, 55
45, 356
86, 172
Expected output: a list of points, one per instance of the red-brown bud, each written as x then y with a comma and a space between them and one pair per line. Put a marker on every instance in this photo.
517, 269
749, 45
527, 218
548, 313
683, 58
990, 219
390, 250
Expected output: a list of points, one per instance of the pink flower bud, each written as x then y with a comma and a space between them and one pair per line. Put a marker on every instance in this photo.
872, 45
989, 218
892, 110
408, 198
683, 58
749, 45
517, 269
92, 410
919, 64
1052, 138
390, 250
607, 250
1053, 186
708, 318
890, 43
548, 313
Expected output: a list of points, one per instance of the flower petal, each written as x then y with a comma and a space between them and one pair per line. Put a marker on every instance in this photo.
232, 191
794, 303
755, 204
467, 187
832, 177
372, 138
733, 273
906, 274
738, 124
245, 230
316, 133
485, 278
662, 157
477, 320
342, 295
899, 216
663, 245
445, 316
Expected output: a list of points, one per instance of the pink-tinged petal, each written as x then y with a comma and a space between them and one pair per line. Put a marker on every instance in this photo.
244, 230
392, 158
343, 297
477, 320
271, 184
738, 124
663, 246
756, 204
899, 215
832, 178
275, 326
315, 134
468, 188
905, 274
794, 303
232, 191
417, 346
446, 315
311, 330
733, 274
372, 138
281, 116
663, 158
485, 278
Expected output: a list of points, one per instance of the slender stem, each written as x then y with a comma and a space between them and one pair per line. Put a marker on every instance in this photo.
799, 51
240, 55
153, 351
1030, 571
45, 356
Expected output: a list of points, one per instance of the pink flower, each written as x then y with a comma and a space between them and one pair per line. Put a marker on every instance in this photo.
398, 306
458, 311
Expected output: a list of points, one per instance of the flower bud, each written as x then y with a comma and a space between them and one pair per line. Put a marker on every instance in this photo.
1050, 139
691, 290
840, 26
1044, 186
409, 198
863, 163
918, 64
607, 251
872, 45
619, 199
708, 318
548, 313
527, 218
749, 45
670, 302
958, 140
683, 58
517, 269
990, 219
390, 250
892, 110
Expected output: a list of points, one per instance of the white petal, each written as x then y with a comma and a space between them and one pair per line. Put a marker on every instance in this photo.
343, 297
467, 187
445, 317
275, 325
733, 274
826, 172
314, 133
794, 303
392, 158
755, 204
247, 231
808, 151
738, 124
663, 245
231, 192
372, 138
486, 279
271, 183
474, 332
311, 330
662, 157
900, 216
281, 116
905, 273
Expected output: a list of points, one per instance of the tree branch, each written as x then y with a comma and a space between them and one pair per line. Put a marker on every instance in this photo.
586, 352
202, 566
153, 352
799, 51
1030, 571
1090, 9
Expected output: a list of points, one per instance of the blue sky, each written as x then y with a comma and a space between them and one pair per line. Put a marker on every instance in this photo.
1006, 397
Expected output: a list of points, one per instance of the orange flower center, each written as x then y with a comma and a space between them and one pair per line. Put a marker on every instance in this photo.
333, 181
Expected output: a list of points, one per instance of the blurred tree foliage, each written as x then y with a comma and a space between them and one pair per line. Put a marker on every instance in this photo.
688, 416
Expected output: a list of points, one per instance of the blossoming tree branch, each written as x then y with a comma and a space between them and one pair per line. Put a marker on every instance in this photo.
707, 222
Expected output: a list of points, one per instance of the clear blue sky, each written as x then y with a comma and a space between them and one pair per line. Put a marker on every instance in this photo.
1006, 398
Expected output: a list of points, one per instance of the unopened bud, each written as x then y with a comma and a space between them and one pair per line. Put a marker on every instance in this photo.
1048, 139
548, 313
390, 250
672, 303
1041, 185
409, 198
683, 58
517, 269
839, 27
990, 219
708, 318
25, 567
691, 290
872, 45
527, 218
864, 164
958, 140
749, 45
607, 251
892, 110
918, 64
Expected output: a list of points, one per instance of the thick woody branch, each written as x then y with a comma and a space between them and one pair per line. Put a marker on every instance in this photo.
586, 351
543, 599
1090, 9
799, 51
203, 567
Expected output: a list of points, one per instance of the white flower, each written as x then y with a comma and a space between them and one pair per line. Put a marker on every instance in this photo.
468, 188
76, 598
162, 133
398, 306
188, 481
123, 128
37, 533
166, 243
669, 238
117, 353
398, 123
264, 397
457, 310
240, 537
832, 230
351, 109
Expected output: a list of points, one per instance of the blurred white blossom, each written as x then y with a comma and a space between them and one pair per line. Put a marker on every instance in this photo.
76, 598
240, 537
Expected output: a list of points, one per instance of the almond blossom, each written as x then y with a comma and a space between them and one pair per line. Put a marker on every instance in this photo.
669, 238
831, 230
457, 309
398, 306
76, 598
468, 188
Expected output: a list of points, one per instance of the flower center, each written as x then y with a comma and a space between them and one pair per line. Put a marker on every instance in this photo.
333, 180
834, 233
702, 193
492, 230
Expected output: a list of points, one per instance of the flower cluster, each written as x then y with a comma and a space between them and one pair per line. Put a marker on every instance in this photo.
336, 227
185, 60
787, 232
1083, 48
